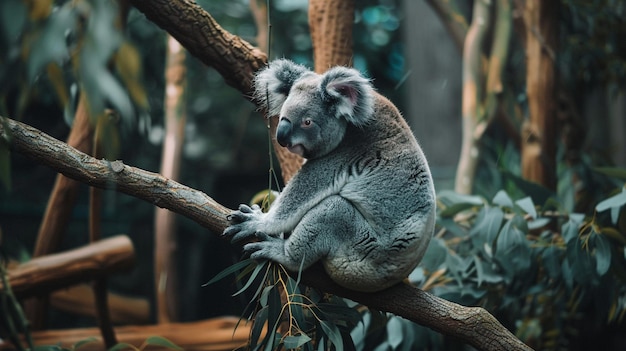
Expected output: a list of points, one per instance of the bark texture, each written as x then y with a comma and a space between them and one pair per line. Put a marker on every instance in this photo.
234, 58
330, 24
472, 325
539, 130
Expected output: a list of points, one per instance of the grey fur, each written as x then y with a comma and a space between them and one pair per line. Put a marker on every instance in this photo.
363, 204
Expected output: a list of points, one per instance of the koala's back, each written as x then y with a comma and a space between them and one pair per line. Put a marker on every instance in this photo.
382, 172
387, 173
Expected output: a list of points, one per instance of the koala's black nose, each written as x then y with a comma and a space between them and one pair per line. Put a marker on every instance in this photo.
283, 130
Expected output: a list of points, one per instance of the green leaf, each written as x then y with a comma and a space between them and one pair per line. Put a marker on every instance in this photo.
502, 199
230, 270
435, 255
334, 336
123, 346
613, 172
539, 193
454, 203
335, 312
251, 279
80, 343
512, 246
570, 229
527, 205
581, 262
394, 332
550, 259
48, 348
257, 327
51, 44
264, 295
568, 274
295, 341
538, 223
271, 339
163, 342
603, 254
614, 201
487, 226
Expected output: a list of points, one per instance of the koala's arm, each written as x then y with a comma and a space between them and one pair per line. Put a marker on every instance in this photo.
305, 190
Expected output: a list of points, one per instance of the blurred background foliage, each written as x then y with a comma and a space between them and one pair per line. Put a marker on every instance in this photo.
551, 266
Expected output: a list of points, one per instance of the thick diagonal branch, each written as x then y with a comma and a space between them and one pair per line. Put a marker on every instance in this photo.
472, 325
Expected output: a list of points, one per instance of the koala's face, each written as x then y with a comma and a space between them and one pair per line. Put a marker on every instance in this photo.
308, 126
314, 109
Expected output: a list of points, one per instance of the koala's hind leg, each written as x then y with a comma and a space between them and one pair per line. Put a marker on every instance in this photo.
336, 233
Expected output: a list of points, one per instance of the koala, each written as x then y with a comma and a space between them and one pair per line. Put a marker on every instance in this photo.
363, 202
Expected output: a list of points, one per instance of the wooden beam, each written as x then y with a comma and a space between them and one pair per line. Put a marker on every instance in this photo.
44, 274
212, 334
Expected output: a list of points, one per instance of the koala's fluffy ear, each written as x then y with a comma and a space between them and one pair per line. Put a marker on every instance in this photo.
272, 84
350, 92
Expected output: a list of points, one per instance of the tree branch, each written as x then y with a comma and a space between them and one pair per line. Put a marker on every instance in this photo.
474, 325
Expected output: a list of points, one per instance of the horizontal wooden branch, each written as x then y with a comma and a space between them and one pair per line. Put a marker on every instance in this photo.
43, 274
472, 325
211, 334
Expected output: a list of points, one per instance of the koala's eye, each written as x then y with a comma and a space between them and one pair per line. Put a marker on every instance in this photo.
307, 122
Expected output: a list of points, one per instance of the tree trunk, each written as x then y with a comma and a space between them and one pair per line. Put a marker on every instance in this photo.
473, 92
330, 24
539, 130
165, 221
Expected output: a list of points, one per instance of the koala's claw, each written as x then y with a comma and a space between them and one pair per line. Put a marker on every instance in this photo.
245, 213
269, 247
243, 223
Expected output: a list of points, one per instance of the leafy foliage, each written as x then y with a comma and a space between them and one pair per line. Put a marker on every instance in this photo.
295, 319
537, 269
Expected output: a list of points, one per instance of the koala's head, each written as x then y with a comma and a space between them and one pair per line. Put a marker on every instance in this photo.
314, 109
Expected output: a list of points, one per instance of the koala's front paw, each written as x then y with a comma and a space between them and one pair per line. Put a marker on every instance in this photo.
269, 247
244, 223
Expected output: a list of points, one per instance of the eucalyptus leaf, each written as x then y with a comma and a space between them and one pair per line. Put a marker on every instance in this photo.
295, 341
251, 279
613, 172
163, 342
80, 343
550, 259
539, 193
264, 295
435, 255
617, 200
581, 262
230, 270
502, 199
487, 226
570, 229
51, 44
528, 206
538, 223
257, 327
333, 334
603, 254
123, 346
394, 332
